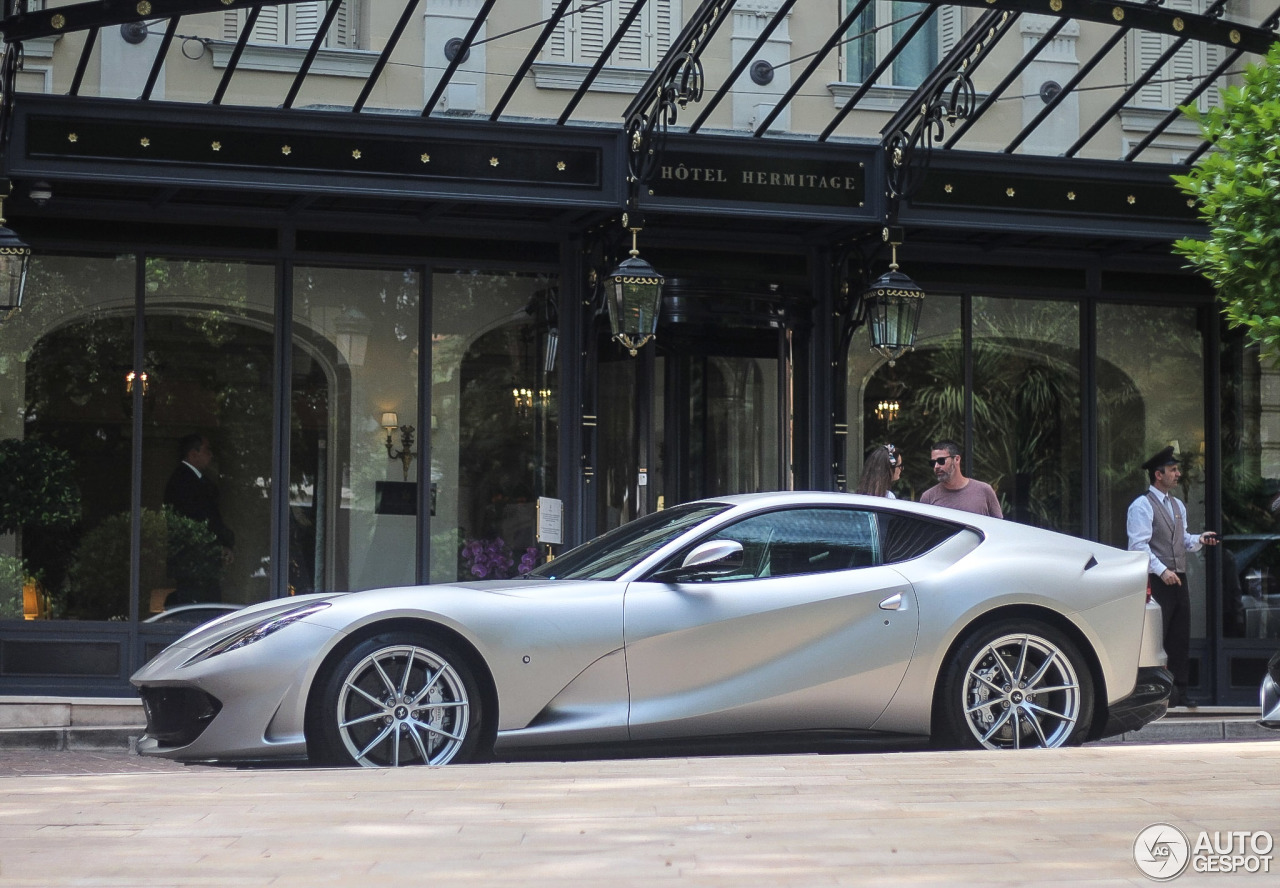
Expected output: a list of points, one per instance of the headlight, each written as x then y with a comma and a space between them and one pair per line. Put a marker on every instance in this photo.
257, 632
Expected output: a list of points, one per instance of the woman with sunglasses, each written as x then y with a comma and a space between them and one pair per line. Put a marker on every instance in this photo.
882, 469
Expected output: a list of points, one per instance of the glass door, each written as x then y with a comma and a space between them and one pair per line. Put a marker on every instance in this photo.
722, 419
704, 410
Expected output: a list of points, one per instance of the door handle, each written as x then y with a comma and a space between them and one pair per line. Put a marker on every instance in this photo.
892, 603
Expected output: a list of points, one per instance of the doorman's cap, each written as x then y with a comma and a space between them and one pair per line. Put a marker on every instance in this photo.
1160, 460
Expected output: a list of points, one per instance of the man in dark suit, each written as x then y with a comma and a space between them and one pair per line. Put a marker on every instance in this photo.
191, 493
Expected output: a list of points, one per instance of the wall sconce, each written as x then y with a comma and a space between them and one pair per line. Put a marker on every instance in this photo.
15, 258
887, 411
131, 377
391, 422
351, 331
524, 399
634, 295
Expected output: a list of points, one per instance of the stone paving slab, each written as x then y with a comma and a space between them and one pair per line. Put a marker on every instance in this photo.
1040, 817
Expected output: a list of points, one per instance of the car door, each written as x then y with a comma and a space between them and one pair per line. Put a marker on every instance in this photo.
813, 631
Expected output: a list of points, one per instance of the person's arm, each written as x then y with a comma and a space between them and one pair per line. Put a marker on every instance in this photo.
1192, 541
1138, 526
993, 503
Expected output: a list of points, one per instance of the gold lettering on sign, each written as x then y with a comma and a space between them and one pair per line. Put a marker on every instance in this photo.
762, 178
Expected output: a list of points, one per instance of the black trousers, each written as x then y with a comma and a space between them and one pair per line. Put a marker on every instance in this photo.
1175, 606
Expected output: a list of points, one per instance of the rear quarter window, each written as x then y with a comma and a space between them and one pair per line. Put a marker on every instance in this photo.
905, 537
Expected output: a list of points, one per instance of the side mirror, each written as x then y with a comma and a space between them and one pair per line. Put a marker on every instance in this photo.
710, 559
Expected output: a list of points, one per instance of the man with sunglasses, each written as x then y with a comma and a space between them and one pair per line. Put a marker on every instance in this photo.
953, 489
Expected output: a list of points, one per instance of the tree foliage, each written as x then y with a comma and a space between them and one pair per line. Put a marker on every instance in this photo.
1237, 187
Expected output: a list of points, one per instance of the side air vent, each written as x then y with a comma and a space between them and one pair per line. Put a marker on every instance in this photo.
1093, 562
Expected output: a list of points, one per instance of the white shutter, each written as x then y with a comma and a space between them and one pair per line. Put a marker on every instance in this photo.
1213, 57
306, 18
666, 24
232, 22
631, 51
557, 45
1146, 49
342, 31
267, 29
582, 34
950, 29
592, 32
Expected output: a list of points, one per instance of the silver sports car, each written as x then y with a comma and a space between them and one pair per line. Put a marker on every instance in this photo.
761, 614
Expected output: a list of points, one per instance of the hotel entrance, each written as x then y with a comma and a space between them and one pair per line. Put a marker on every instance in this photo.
707, 408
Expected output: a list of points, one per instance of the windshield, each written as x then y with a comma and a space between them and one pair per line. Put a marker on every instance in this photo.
608, 557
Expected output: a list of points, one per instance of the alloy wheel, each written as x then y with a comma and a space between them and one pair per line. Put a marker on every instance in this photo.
403, 705
1021, 691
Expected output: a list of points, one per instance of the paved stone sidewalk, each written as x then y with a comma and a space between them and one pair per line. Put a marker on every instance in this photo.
912, 818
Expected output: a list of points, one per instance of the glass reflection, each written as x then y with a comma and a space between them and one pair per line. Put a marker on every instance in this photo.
494, 435
67, 433
207, 434
1026, 409
352, 511
1250, 492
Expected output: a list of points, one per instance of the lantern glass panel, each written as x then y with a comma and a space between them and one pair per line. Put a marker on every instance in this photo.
13, 275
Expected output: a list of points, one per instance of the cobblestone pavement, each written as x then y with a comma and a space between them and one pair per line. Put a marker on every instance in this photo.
1040, 817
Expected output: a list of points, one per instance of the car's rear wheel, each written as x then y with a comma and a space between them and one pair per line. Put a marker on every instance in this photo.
398, 699
1013, 685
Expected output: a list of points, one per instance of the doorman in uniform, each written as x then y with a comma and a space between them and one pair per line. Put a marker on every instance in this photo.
1157, 525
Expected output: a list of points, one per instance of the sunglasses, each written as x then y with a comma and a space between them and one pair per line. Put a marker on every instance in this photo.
894, 459
940, 460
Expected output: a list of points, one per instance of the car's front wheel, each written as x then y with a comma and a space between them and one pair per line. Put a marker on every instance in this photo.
1013, 685
398, 699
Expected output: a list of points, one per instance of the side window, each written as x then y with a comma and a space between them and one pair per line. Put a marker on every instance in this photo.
804, 541
882, 24
906, 537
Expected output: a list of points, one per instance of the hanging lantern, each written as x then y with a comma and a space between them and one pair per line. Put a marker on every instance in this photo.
634, 294
15, 257
892, 305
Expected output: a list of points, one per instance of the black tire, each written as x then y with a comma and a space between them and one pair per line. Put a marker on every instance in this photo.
1015, 684
397, 699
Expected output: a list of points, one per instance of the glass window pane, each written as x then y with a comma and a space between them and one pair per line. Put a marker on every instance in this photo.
207, 433
1151, 394
66, 420
1250, 491
919, 56
617, 494
804, 541
1026, 409
912, 403
860, 48
355, 435
495, 424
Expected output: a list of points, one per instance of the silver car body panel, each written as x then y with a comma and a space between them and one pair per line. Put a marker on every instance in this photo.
1269, 694
590, 660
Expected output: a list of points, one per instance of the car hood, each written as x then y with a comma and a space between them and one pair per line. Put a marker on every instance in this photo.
372, 600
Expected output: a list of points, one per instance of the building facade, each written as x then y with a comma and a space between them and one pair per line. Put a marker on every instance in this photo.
357, 247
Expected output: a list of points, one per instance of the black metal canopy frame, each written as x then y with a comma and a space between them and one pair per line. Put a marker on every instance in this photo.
678, 76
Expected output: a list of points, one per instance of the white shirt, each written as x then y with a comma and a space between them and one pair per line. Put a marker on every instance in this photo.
1139, 524
199, 474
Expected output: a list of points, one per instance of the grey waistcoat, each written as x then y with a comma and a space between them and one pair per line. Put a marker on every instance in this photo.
1167, 543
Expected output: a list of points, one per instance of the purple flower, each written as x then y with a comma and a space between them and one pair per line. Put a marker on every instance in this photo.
528, 561
493, 559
